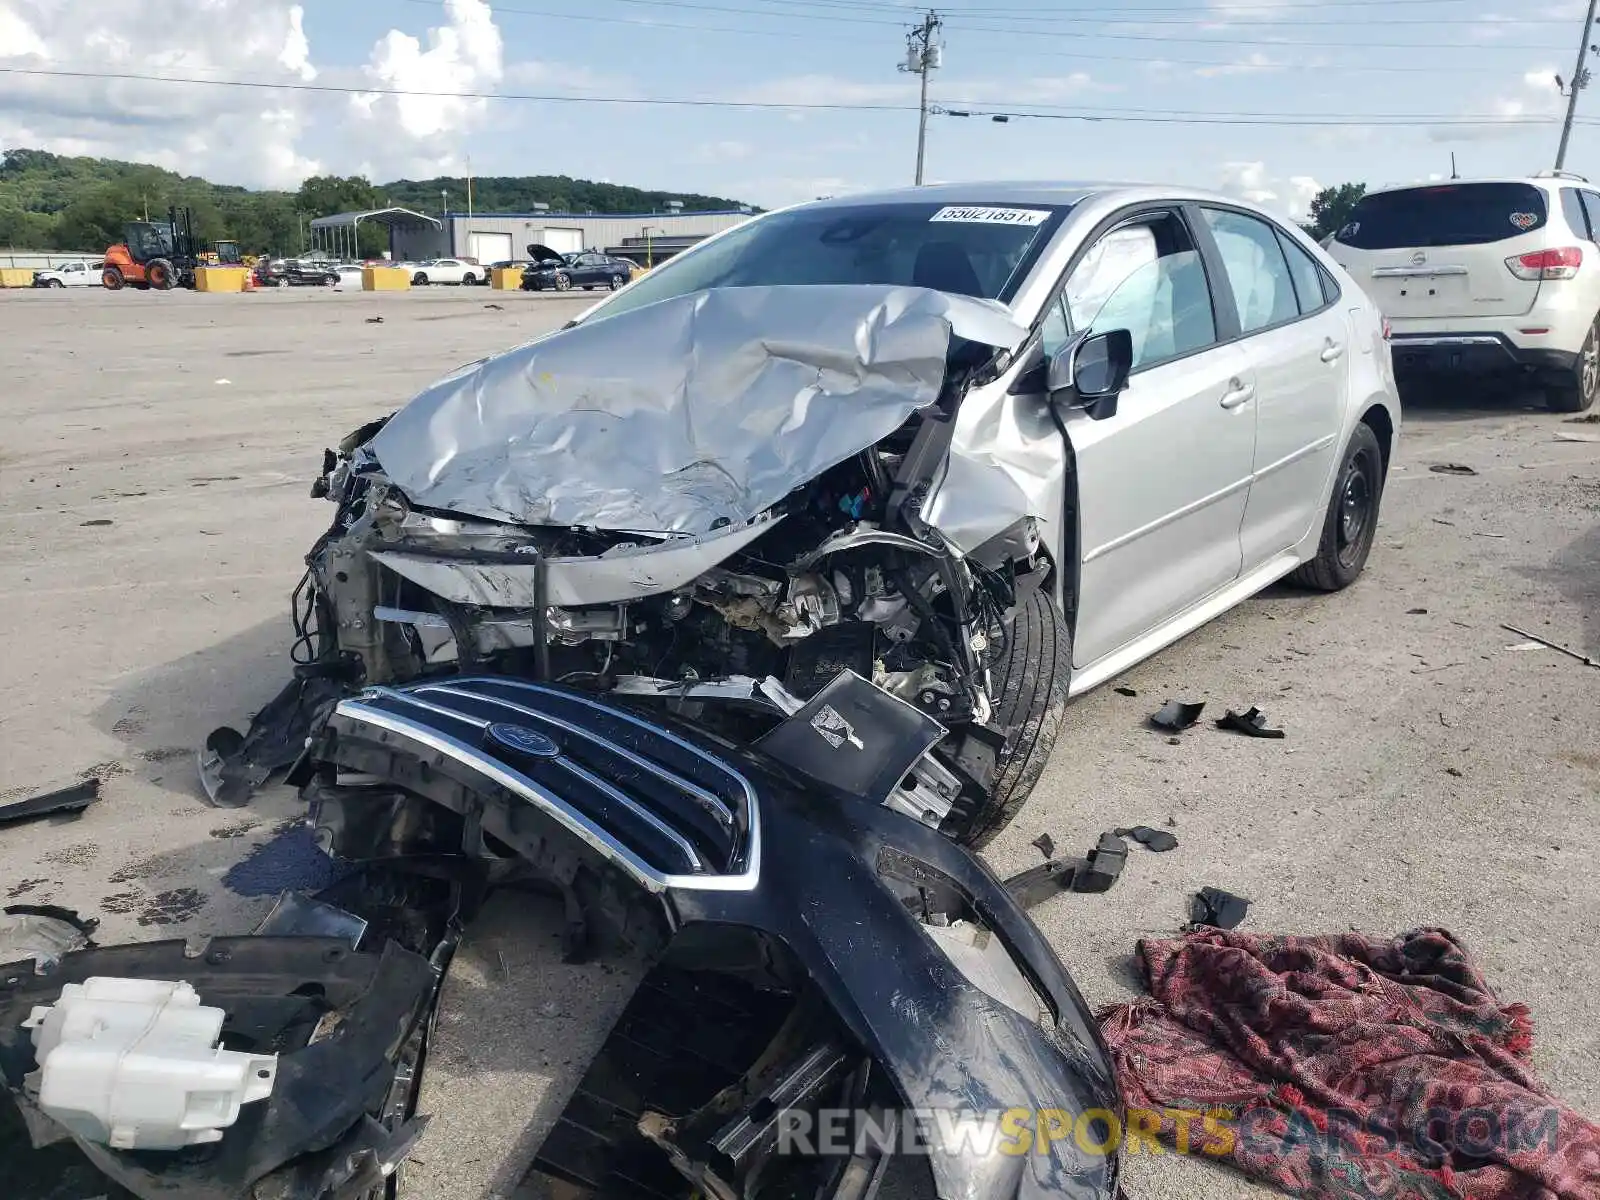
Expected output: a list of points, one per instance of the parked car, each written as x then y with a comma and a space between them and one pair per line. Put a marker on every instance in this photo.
562, 272
977, 447
303, 270
72, 274
350, 278
1498, 276
446, 270
505, 264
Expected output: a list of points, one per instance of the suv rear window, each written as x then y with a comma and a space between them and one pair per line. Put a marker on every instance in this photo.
1462, 214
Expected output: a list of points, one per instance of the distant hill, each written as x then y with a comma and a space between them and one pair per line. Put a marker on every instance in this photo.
48, 202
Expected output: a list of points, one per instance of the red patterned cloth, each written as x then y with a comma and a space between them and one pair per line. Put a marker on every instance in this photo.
1345, 1068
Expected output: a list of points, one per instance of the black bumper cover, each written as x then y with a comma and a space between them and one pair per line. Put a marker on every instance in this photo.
1485, 354
562, 778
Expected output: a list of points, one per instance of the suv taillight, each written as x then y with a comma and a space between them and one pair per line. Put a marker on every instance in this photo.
1547, 264
1388, 329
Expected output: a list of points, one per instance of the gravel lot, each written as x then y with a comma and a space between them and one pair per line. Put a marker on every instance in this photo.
154, 466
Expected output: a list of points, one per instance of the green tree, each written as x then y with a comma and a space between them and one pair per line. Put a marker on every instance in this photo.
324, 195
1332, 206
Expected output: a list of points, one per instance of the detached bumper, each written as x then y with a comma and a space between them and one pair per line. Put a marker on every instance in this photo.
708, 845
1472, 353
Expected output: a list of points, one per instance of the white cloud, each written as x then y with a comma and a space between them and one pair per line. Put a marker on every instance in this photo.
1536, 96
724, 151
244, 135
464, 55
1251, 181
1251, 64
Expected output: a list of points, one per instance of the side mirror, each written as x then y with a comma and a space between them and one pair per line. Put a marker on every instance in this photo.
1091, 373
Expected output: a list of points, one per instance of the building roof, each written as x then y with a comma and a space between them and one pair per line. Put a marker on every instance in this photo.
603, 216
391, 217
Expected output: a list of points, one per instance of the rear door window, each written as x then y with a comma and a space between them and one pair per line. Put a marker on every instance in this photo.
1309, 285
1456, 214
1572, 210
1254, 261
1591, 209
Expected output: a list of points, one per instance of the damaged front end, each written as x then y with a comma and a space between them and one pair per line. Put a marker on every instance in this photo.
714, 503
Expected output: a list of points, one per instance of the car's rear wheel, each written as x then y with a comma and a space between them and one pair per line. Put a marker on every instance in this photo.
1352, 518
1575, 391
1030, 688
468, 279
616, 282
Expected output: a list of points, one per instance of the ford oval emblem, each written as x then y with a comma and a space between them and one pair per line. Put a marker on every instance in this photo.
522, 740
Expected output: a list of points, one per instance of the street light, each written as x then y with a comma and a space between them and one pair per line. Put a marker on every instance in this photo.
649, 254
444, 209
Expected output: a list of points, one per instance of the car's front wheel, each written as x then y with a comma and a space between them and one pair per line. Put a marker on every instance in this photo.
1575, 390
419, 280
563, 282
56, 283
1352, 518
1030, 683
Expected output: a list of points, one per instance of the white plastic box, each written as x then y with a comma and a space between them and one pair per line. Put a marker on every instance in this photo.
133, 1064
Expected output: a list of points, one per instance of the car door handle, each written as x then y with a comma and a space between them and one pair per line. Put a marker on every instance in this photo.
1331, 350
1237, 394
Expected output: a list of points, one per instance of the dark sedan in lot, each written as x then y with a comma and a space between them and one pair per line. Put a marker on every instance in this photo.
563, 272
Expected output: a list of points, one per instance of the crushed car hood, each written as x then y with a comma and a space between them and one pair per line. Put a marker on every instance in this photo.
683, 416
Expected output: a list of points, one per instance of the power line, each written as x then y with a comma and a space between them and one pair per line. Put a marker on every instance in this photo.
1018, 109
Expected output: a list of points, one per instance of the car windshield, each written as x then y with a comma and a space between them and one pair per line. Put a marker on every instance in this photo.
973, 250
1456, 214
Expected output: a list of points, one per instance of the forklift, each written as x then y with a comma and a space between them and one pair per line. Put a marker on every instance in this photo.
163, 254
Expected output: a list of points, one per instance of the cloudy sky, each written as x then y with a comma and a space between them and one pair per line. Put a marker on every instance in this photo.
1472, 76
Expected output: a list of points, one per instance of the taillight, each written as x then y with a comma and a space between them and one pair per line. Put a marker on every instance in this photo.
1547, 264
1388, 329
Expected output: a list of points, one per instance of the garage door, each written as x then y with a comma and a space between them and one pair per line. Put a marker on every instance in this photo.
490, 247
564, 241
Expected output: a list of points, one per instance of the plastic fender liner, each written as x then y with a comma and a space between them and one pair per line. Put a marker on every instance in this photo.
276, 992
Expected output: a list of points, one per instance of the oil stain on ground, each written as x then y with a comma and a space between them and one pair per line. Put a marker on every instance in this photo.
172, 908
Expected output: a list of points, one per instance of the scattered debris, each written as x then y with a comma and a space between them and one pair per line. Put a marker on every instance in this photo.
1442, 521
496, 306
1251, 724
1213, 906
1451, 468
42, 933
1125, 691
224, 383
99, 521
299, 915
1095, 873
1416, 612
1587, 419
1543, 641
1046, 845
1158, 840
1563, 436
1491, 535
1455, 771
71, 799
1178, 714
374, 320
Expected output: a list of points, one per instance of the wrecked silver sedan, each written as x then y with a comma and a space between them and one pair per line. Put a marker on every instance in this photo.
854, 475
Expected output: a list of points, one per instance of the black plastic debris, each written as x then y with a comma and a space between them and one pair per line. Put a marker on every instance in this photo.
1094, 873
99, 522
1158, 840
1416, 612
71, 799
1251, 724
1178, 714
1046, 845
1126, 691
1215, 907
1451, 468
374, 320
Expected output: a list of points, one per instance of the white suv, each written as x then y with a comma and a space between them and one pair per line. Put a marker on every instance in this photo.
1490, 275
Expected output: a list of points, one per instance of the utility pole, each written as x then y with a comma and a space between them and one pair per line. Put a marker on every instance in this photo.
924, 55
1580, 80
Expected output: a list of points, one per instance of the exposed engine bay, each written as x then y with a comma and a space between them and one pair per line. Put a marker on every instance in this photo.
775, 567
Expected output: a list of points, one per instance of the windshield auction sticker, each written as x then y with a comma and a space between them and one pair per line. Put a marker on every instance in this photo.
992, 216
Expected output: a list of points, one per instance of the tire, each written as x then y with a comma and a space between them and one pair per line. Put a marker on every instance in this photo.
331, 281
161, 275
1575, 391
1352, 518
563, 282
419, 280
615, 283
56, 283
1031, 682
469, 279
111, 279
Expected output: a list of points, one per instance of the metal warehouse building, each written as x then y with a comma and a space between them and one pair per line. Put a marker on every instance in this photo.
496, 237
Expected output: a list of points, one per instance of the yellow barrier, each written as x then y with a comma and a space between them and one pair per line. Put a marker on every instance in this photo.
385, 279
219, 279
506, 279
16, 277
